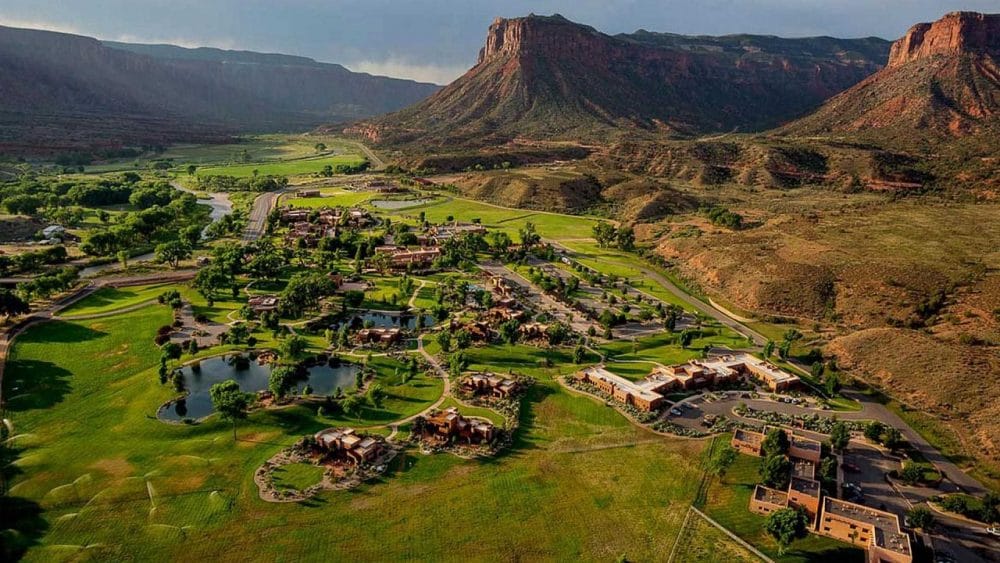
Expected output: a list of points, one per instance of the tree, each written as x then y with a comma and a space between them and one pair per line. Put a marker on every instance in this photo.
292, 347
840, 436
320, 147
720, 460
604, 234
191, 168
11, 305
828, 470
785, 526
874, 431
281, 381
920, 517
231, 403
528, 235
463, 339
687, 335
775, 443
376, 395
172, 252
353, 406
211, 279
625, 239
893, 439
775, 471
912, 473
509, 331
557, 333
579, 354
444, 340
769, 349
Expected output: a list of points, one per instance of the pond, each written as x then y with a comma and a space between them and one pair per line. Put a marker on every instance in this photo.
252, 377
400, 203
387, 319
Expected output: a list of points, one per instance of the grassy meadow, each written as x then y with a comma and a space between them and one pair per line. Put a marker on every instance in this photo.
110, 481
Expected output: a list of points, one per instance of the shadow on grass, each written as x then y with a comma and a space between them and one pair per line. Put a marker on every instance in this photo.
60, 332
34, 384
835, 555
24, 527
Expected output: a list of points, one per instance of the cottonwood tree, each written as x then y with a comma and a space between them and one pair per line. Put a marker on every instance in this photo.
720, 460
840, 436
785, 526
11, 305
172, 252
230, 402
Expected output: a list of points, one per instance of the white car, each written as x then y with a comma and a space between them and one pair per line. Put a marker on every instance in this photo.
993, 531
675, 412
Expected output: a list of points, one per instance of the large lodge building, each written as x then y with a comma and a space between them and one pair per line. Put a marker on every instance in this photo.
648, 394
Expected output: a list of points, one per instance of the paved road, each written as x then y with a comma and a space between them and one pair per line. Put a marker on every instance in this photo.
870, 410
541, 301
693, 302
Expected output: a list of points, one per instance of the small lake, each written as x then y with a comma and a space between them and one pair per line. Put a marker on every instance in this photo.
386, 319
323, 378
400, 203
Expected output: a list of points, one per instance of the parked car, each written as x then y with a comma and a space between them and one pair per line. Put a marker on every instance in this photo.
993, 530
686, 406
676, 412
851, 468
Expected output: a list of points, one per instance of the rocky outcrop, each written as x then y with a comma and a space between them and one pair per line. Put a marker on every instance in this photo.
955, 33
545, 78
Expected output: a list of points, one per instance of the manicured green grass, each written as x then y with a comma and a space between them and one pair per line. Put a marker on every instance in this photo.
702, 542
728, 503
109, 299
297, 476
664, 349
330, 198
296, 167
404, 398
107, 475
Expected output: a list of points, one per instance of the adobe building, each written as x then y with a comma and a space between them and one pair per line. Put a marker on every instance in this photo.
766, 500
381, 336
346, 443
447, 424
623, 390
402, 257
748, 442
726, 369
263, 303
490, 384
877, 530
805, 494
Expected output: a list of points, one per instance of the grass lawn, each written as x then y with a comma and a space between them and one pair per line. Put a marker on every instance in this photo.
702, 542
330, 198
728, 503
297, 476
663, 349
110, 481
113, 298
295, 167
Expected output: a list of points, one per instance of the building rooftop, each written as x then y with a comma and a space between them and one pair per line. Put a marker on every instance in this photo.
805, 486
748, 436
803, 469
887, 533
770, 496
803, 443
638, 390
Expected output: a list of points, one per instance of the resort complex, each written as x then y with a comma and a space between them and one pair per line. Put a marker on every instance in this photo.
648, 394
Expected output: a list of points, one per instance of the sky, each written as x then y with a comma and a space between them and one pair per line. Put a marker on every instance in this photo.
437, 40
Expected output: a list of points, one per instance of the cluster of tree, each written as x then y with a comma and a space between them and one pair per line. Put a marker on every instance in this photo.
32, 261
181, 219
216, 183
30, 194
986, 509
48, 284
785, 348
775, 469
552, 284
303, 293
607, 235
723, 217
886, 435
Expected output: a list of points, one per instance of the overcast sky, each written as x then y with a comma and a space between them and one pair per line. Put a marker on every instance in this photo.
437, 40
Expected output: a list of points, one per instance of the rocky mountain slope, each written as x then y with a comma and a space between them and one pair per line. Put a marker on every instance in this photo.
61, 90
549, 78
941, 85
